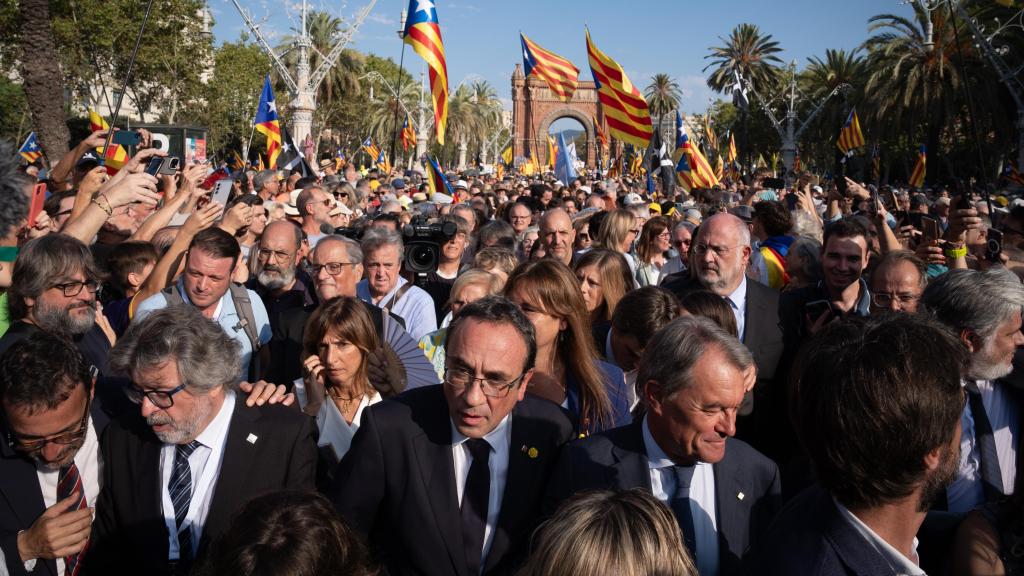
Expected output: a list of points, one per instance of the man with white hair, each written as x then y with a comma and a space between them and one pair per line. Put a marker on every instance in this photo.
383, 253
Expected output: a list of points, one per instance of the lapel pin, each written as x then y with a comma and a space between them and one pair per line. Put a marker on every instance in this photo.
740, 495
251, 439
531, 452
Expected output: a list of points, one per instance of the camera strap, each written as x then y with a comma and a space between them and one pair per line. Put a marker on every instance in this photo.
398, 296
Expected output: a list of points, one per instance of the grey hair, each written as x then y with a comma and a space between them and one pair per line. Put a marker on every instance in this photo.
354, 250
804, 224
689, 226
974, 300
377, 237
259, 180
206, 357
673, 351
809, 249
13, 184
44, 262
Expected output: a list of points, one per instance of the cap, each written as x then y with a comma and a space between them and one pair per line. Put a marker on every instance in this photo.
654, 207
461, 185
326, 163
440, 198
817, 189
632, 199
943, 201
398, 183
694, 216
585, 189
419, 197
743, 212
340, 208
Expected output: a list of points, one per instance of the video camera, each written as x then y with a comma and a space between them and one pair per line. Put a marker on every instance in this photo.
423, 247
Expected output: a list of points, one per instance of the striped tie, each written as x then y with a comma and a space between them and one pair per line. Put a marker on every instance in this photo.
180, 490
68, 481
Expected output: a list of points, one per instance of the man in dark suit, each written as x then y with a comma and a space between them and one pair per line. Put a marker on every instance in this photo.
719, 257
879, 404
723, 492
49, 464
448, 480
173, 478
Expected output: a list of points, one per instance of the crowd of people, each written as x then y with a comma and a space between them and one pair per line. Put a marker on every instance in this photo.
347, 373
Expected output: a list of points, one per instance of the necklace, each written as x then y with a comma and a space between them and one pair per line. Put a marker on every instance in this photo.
337, 396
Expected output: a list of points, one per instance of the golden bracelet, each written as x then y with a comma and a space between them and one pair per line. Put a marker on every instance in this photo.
107, 209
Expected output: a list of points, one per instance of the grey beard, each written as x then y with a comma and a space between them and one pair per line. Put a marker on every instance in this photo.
273, 280
60, 321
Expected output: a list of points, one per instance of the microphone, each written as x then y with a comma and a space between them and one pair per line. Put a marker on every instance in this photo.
326, 229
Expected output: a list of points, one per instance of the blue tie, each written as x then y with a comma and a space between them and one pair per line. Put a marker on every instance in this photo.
991, 476
680, 505
180, 490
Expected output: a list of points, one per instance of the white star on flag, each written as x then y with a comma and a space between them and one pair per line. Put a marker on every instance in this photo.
285, 147
424, 6
272, 106
88, 156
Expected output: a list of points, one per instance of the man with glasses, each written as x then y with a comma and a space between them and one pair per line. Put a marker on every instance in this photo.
448, 479
897, 282
519, 216
173, 478
682, 235
314, 205
49, 455
718, 261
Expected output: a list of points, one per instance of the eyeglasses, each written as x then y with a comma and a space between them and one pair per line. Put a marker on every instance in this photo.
664, 235
460, 379
75, 288
160, 398
342, 194
884, 300
333, 268
634, 231
62, 439
265, 254
702, 249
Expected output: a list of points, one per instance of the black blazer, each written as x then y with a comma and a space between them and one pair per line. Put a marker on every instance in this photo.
811, 538
397, 483
129, 535
21, 500
617, 460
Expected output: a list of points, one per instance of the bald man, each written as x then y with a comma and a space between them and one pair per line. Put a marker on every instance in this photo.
720, 252
557, 235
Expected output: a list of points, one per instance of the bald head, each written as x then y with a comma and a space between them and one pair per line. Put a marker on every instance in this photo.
283, 233
557, 235
721, 252
278, 256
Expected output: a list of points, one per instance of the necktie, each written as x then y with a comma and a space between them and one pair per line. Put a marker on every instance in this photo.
474, 502
180, 491
991, 477
68, 481
680, 505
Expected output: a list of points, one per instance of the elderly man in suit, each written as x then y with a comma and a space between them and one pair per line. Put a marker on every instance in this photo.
719, 255
692, 376
449, 479
173, 478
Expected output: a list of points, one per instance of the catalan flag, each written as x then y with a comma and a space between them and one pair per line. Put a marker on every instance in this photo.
371, 149
437, 181
117, 156
602, 138
383, 163
850, 137
237, 164
731, 155
340, 160
918, 174
624, 107
267, 123
552, 152
408, 134
423, 33
876, 163
506, 155
561, 76
709, 134
697, 173
30, 149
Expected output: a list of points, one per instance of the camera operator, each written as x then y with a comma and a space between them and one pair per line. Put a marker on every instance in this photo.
438, 282
383, 254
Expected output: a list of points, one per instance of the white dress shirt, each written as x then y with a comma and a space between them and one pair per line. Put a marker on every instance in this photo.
89, 463
334, 430
966, 491
204, 464
702, 500
416, 307
738, 302
899, 563
500, 438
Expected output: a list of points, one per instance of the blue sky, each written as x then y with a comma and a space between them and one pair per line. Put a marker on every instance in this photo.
482, 36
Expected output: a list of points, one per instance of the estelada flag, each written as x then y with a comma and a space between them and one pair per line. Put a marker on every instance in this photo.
561, 76
423, 33
267, 122
850, 136
30, 149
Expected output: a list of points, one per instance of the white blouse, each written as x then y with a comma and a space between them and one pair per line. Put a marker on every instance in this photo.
334, 430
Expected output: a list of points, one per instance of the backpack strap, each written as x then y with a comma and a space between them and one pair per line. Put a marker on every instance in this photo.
172, 295
243, 306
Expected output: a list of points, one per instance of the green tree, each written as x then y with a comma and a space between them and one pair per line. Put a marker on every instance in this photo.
15, 121
662, 95
232, 95
748, 52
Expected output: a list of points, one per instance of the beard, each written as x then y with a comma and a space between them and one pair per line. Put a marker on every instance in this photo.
66, 457
187, 429
61, 321
940, 478
984, 364
274, 278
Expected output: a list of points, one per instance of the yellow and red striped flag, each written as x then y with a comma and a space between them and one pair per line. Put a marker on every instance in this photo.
918, 174
423, 33
561, 76
267, 123
624, 107
602, 138
117, 156
797, 165
850, 137
692, 167
552, 152
408, 134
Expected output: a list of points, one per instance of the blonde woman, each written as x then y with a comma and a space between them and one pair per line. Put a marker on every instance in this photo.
618, 231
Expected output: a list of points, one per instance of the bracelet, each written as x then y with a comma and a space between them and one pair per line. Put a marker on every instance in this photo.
956, 252
108, 209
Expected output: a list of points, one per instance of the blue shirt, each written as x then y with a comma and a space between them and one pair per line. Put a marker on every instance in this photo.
226, 316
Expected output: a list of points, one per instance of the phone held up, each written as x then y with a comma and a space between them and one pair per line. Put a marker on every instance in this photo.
168, 165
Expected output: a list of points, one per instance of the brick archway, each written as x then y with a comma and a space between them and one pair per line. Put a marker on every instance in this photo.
535, 107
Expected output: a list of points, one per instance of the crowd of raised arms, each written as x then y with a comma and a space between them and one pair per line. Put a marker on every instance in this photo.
339, 371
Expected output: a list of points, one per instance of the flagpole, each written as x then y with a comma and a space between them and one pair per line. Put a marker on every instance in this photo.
127, 77
398, 96
252, 131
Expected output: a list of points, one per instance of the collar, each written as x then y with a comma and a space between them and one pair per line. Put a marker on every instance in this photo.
738, 297
498, 438
863, 306
217, 430
220, 302
656, 457
897, 561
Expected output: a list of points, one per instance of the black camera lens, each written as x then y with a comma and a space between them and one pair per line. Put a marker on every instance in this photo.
421, 257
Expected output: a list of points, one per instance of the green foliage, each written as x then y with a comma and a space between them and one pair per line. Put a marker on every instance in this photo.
232, 95
14, 117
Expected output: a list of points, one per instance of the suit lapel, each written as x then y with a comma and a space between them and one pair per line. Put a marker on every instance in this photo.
147, 463
729, 516
238, 459
437, 468
631, 469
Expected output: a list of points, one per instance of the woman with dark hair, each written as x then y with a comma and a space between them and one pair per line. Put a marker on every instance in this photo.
335, 388
604, 279
567, 371
288, 533
654, 243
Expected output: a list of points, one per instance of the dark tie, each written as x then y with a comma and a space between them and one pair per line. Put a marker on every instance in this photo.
680, 505
180, 490
68, 481
474, 502
991, 477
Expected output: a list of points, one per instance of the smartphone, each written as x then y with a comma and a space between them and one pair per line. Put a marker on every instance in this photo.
994, 246
168, 165
38, 199
930, 229
816, 309
916, 219
791, 201
962, 202
774, 183
127, 138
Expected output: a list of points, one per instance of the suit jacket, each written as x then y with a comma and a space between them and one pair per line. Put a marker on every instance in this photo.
397, 483
811, 538
129, 534
617, 460
21, 499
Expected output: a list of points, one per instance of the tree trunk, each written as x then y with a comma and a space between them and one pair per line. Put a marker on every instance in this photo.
43, 82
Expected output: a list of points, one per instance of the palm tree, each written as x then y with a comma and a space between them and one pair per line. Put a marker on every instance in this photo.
473, 112
384, 110
344, 75
662, 95
44, 85
748, 52
817, 81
